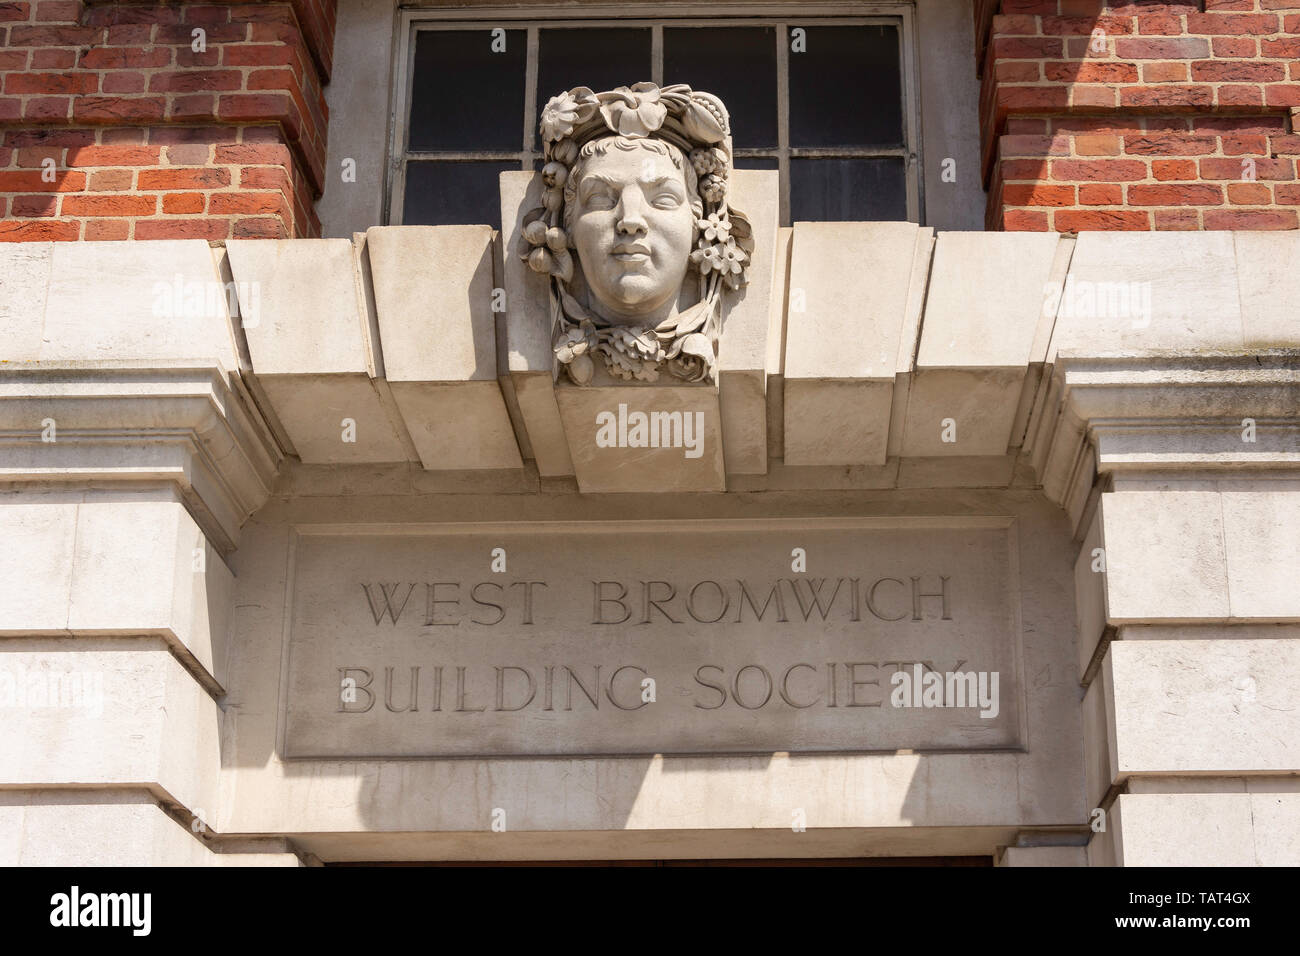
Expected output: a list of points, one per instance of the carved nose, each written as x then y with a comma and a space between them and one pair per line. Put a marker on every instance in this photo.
630, 218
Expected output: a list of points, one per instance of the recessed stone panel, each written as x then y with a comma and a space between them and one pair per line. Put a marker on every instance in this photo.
405, 643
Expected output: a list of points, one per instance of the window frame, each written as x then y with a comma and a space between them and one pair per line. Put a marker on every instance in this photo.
412, 19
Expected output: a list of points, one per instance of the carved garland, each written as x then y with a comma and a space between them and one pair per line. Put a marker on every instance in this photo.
686, 343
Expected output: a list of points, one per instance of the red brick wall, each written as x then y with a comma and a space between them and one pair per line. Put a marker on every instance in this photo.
1175, 115
151, 139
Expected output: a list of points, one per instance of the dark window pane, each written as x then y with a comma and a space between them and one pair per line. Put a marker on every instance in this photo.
848, 190
464, 96
755, 162
439, 194
737, 64
845, 89
597, 58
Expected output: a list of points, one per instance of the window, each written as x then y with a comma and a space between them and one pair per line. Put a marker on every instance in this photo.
827, 101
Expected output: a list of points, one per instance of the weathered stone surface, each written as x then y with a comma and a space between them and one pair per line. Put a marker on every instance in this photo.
985, 305
93, 563
1178, 539
1149, 291
739, 656
1209, 705
681, 430
115, 301
1268, 279
848, 295
108, 711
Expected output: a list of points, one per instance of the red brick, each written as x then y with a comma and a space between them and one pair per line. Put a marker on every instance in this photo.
189, 154
1232, 24
192, 81
36, 206
1233, 168
171, 179
1164, 72
125, 58
247, 203
1173, 97
1251, 219
123, 82
1177, 220
1217, 71
114, 155
1076, 71
1071, 220
259, 228
1096, 145
1181, 48
58, 11
182, 203
101, 230
1101, 194
1191, 194
1167, 169
1238, 95
118, 109
1170, 144
45, 108
111, 180
1099, 170
1282, 94
1234, 46
258, 54
250, 154
54, 59
14, 11
1288, 195
32, 181
1010, 169
1160, 24
1286, 48
183, 229
1037, 194
27, 230
1239, 145
1249, 194
108, 205
1024, 220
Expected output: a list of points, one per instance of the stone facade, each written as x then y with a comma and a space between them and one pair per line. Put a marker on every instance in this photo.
314, 552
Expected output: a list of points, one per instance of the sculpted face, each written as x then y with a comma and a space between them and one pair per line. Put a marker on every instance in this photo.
633, 229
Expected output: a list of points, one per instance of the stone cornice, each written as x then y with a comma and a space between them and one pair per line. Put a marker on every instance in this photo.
118, 422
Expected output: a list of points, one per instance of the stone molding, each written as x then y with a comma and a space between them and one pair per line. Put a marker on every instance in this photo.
964, 335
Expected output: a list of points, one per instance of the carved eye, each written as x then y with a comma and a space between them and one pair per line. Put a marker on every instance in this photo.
599, 199
665, 200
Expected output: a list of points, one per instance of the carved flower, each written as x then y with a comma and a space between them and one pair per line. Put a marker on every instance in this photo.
636, 343
694, 360
715, 227
707, 257
733, 264
635, 112
570, 345
565, 111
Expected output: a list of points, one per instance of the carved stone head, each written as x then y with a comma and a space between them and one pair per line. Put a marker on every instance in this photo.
635, 183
